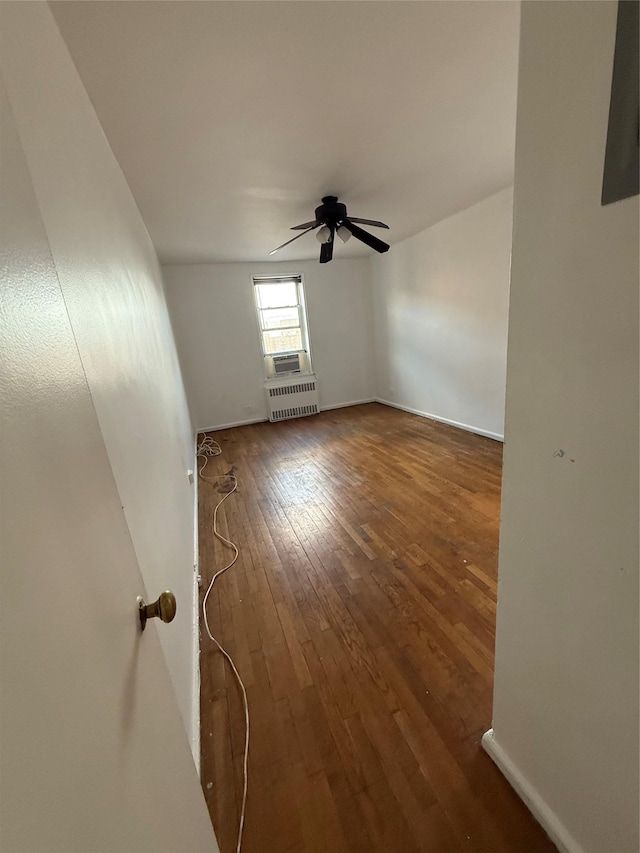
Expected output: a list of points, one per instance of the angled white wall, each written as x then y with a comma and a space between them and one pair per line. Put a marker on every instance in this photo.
566, 683
112, 287
216, 328
440, 306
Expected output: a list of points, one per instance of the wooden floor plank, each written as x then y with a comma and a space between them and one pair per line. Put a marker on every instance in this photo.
361, 615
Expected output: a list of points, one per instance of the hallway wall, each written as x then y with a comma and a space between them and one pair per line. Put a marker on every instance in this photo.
565, 726
112, 288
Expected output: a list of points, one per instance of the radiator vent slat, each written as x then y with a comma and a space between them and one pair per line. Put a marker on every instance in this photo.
300, 388
295, 412
293, 399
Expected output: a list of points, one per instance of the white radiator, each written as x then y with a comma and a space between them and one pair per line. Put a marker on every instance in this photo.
292, 399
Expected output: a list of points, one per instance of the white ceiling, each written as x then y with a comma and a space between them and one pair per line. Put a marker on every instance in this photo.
231, 119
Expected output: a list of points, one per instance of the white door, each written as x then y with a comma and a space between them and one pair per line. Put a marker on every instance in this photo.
93, 750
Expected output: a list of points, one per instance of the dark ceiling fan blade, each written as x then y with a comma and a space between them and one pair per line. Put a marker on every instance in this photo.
367, 221
313, 224
365, 237
326, 250
290, 241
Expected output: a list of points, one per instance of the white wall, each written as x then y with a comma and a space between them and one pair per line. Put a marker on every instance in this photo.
112, 287
89, 714
566, 683
440, 308
214, 321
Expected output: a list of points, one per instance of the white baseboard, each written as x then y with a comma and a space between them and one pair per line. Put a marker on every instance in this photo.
195, 716
542, 812
195, 663
263, 420
477, 430
346, 405
231, 425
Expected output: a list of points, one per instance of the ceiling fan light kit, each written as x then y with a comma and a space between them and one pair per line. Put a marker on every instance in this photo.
323, 235
331, 219
343, 233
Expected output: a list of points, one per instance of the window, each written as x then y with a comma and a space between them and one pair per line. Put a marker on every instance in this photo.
283, 325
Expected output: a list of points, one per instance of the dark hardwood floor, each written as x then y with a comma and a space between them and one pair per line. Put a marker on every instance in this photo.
361, 616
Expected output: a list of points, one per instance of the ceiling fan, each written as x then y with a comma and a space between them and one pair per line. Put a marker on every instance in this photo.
331, 219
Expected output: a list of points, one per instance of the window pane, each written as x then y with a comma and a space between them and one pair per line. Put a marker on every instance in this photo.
285, 340
275, 295
275, 318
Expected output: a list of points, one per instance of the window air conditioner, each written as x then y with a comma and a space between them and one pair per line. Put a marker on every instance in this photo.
289, 363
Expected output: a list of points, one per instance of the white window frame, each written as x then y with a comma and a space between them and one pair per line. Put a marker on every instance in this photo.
303, 324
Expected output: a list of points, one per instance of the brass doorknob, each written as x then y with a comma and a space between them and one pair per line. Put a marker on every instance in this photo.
164, 608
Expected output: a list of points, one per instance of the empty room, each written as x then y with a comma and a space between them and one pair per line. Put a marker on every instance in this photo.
320, 426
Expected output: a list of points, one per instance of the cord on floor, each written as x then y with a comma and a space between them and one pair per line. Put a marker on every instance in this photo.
206, 449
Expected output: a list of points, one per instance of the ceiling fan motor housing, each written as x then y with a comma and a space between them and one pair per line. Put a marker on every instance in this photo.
331, 211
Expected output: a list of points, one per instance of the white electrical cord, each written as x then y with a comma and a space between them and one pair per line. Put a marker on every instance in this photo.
206, 449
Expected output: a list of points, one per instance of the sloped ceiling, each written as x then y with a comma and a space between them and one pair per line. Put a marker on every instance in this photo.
231, 119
